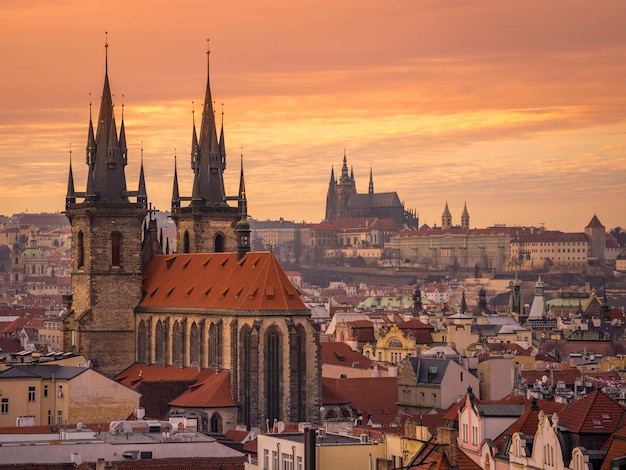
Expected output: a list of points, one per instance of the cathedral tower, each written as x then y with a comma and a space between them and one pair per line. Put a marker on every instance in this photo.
465, 218
446, 218
207, 224
339, 192
106, 247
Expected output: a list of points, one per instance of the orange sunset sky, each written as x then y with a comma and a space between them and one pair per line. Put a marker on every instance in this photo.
517, 107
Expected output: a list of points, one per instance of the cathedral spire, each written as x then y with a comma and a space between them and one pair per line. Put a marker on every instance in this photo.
91, 140
243, 226
123, 148
70, 198
345, 177
243, 200
194, 141
210, 161
371, 185
142, 195
175, 193
107, 161
332, 175
222, 145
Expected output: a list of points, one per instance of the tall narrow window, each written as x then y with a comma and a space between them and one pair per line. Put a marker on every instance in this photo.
186, 242
80, 258
142, 343
116, 241
177, 344
215, 423
245, 352
214, 346
273, 377
194, 346
219, 243
5, 406
160, 344
31, 394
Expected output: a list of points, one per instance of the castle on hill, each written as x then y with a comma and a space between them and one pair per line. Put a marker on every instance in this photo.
343, 201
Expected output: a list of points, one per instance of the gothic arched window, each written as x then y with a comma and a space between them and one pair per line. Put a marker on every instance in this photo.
214, 345
194, 345
160, 344
219, 243
273, 374
245, 378
142, 343
215, 424
116, 249
177, 344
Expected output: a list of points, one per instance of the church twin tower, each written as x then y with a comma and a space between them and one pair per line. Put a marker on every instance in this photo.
111, 242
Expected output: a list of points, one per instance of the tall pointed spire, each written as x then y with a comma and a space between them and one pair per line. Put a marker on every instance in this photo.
371, 185
142, 195
175, 193
106, 157
123, 148
243, 226
332, 175
222, 145
70, 197
90, 153
465, 218
446, 218
243, 200
345, 177
195, 149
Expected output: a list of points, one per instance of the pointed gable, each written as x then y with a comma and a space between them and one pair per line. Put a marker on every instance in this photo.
594, 223
219, 281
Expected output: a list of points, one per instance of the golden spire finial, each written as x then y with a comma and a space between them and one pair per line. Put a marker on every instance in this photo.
106, 42
70, 153
208, 51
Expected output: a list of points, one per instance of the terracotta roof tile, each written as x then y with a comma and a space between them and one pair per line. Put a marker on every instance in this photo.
369, 395
210, 392
596, 413
340, 354
219, 281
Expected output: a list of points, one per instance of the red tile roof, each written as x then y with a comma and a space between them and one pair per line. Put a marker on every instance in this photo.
528, 422
219, 281
596, 413
237, 436
369, 395
340, 354
159, 385
137, 373
616, 448
594, 223
212, 391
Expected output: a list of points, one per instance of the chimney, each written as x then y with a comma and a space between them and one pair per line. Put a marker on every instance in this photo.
446, 438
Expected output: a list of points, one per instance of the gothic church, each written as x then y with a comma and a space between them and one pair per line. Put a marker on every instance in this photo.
212, 305
343, 201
